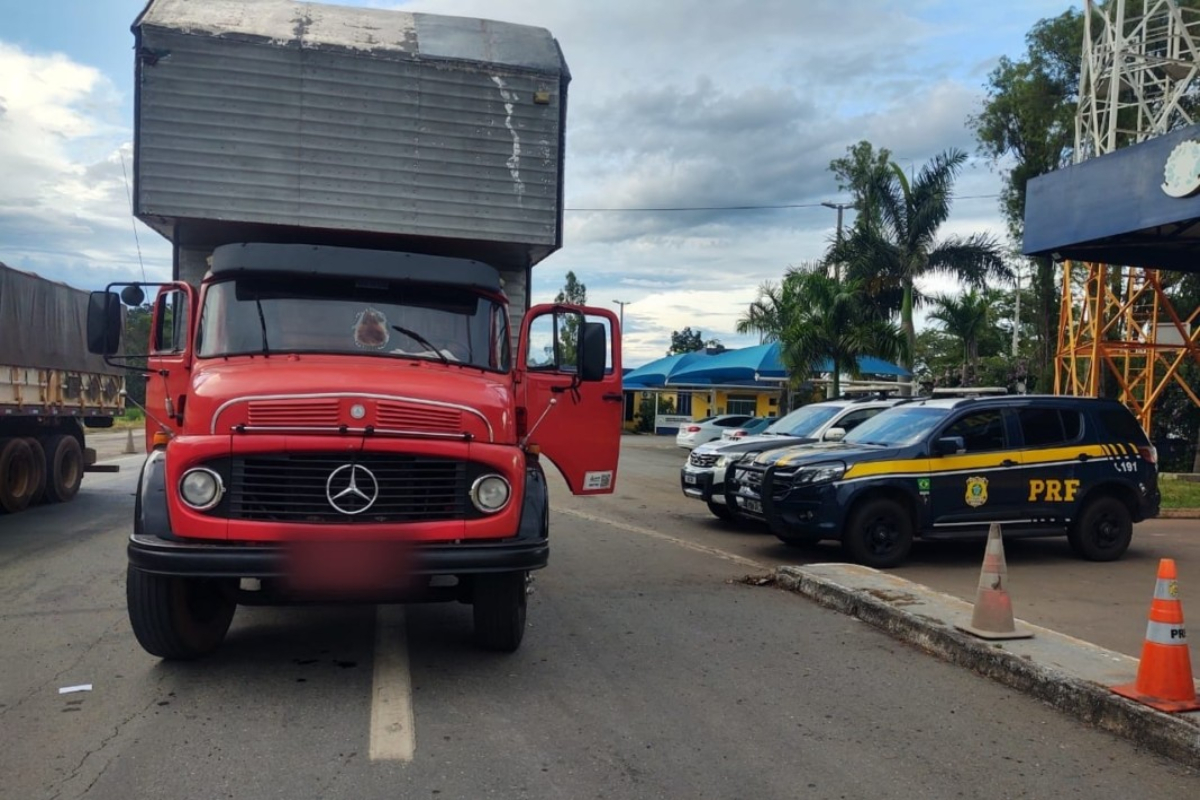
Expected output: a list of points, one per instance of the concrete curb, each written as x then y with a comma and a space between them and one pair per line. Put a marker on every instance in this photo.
1069, 674
1179, 513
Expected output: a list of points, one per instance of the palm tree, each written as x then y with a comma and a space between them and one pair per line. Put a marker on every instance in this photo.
817, 319
897, 243
966, 319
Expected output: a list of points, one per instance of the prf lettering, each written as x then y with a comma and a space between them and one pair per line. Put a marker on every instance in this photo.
1053, 491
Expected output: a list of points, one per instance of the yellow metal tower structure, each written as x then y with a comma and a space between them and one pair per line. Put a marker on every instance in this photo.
1137, 72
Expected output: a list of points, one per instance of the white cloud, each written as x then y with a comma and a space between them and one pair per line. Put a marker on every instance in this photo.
64, 210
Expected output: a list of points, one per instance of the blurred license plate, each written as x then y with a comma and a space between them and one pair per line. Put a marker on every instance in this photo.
689, 478
753, 506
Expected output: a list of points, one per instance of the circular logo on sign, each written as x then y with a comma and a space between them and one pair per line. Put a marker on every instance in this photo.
1181, 174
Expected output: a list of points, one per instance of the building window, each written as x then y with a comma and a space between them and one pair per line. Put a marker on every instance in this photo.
742, 404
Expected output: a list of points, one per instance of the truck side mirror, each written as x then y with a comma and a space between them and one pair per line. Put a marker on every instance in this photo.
949, 446
594, 352
834, 435
104, 323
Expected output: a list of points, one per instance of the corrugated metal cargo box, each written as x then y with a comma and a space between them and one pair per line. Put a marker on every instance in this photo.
257, 116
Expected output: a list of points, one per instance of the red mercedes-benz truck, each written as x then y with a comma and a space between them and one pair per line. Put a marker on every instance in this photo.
348, 394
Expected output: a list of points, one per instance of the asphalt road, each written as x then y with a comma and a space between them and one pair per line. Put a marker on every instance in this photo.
647, 671
1106, 604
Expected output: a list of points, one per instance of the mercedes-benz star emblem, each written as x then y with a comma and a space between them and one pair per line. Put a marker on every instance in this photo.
352, 489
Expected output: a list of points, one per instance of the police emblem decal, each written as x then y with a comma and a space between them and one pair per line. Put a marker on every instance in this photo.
976, 492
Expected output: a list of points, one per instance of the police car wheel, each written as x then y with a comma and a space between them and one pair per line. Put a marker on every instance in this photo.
879, 533
720, 511
1103, 531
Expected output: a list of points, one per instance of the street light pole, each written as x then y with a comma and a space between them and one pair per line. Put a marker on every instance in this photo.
622, 304
839, 207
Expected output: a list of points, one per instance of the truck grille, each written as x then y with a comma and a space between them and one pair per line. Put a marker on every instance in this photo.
702, 460
297, 488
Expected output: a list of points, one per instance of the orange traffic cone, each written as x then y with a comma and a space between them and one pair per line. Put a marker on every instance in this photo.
1164, 677
993, 616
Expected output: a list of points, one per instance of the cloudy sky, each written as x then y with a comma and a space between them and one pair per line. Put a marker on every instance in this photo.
698, 104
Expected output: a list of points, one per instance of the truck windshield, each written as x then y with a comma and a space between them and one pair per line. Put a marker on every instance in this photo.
896, 427
301, 314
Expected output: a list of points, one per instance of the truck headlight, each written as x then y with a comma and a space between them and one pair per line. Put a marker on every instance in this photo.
819, 473
490, 493
201, 488
723, 461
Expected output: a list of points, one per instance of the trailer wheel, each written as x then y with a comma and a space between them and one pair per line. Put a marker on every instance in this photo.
17, 475
64, 468
178, 618
499, 605
39, 469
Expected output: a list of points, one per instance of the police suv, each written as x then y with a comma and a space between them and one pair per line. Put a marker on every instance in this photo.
703, 474
946, 468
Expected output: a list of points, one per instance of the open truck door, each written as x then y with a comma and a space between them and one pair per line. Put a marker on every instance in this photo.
169, 345
571, 408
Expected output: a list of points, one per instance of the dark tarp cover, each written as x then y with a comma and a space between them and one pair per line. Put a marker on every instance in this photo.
43, 325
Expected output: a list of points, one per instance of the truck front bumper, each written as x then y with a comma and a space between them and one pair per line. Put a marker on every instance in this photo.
204, 560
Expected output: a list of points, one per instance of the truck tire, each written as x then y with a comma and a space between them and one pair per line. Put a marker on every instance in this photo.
499, 605
17, 475
879, 533
39, 469
1103, 531
64, 468
178, 618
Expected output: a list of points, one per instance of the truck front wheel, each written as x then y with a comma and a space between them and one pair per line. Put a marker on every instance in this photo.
178, 618
499, 605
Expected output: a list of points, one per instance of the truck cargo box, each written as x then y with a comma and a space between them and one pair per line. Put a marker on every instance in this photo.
45, 368
275, 120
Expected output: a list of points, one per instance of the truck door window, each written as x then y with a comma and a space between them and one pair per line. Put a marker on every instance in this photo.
171, 323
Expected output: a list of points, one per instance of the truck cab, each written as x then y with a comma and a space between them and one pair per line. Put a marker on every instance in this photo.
350, 424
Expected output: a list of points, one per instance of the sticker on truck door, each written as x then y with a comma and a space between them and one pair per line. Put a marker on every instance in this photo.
597, 481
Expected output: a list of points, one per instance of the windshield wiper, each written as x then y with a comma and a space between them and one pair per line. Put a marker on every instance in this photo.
262, 321
421, 340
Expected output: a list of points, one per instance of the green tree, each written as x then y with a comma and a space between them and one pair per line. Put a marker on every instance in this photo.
817, 319
686, 341
1028, 120
899, 239
574, 293
966, 319
136, 342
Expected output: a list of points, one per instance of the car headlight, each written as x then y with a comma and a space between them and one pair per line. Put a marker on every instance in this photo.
490, 493
723, 461
819, 473
201, 488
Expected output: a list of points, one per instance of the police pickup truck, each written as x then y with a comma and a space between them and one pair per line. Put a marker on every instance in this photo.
703, 476
946, 468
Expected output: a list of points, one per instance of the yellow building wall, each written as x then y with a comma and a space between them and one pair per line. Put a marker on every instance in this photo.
767, 404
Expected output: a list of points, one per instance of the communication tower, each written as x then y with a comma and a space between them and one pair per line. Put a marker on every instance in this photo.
1139, 79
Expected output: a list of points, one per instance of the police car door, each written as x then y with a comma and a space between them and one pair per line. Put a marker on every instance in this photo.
1053, 453
981, 484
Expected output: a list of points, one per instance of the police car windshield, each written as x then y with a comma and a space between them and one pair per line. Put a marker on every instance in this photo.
897, 426
803, 421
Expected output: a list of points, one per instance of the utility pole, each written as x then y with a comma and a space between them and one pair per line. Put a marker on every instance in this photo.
622, 304
839, 207
1017, 315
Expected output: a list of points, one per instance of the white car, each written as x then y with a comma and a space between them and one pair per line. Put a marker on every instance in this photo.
702, 431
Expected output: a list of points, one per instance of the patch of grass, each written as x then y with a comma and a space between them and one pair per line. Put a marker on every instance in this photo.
1179, 494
